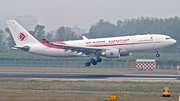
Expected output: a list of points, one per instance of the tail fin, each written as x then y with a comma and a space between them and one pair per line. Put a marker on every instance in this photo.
20, 35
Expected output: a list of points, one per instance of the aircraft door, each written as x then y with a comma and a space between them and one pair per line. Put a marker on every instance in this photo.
157, 39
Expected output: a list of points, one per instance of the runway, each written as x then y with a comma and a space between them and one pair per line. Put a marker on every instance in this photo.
23, 76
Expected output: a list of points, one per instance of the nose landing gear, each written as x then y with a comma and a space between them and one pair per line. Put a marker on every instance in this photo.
158, 55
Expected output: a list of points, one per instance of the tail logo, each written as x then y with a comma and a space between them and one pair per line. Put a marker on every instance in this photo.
22, 36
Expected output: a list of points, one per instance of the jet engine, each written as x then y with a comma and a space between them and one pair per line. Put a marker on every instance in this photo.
113, 53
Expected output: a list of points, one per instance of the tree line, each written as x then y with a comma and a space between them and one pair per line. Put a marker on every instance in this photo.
102, 28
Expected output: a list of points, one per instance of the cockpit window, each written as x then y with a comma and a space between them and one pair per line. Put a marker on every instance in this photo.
168, 38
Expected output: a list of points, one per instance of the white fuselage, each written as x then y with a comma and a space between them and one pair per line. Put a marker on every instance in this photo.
126, 45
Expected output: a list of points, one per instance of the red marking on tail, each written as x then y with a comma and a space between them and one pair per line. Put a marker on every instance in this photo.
22, 36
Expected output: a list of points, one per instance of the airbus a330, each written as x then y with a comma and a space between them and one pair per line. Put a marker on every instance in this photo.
112, 47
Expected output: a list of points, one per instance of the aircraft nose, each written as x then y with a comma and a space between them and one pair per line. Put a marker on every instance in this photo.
171, 42
174, 41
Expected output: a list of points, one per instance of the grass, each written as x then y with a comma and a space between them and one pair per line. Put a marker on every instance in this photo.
85, 91
29, 90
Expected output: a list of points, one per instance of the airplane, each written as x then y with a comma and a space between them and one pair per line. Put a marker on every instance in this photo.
112, 47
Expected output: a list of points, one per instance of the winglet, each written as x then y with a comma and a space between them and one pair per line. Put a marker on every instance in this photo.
84, 38
45, 41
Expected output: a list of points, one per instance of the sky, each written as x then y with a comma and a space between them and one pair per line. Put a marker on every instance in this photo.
56, 13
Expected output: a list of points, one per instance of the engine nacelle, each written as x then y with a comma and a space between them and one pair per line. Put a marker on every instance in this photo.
113, 53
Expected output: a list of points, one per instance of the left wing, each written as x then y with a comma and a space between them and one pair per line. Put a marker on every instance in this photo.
78, 49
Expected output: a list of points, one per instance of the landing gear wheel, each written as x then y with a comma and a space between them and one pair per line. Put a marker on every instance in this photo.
94, 63
88, 64
99, 60
157, 55
92, 60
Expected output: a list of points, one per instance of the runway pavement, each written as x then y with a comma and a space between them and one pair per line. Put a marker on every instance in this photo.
23, 76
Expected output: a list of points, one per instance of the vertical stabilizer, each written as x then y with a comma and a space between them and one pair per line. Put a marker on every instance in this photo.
19, 34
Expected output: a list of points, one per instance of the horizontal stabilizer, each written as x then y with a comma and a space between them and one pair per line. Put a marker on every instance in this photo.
24, 48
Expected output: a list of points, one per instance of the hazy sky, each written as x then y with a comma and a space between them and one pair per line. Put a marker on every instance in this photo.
83, 13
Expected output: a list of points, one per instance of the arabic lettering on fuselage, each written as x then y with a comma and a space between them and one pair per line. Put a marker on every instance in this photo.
120, 40
109, 41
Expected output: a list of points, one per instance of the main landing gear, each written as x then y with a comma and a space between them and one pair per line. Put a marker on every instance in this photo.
93, 61
158, 55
